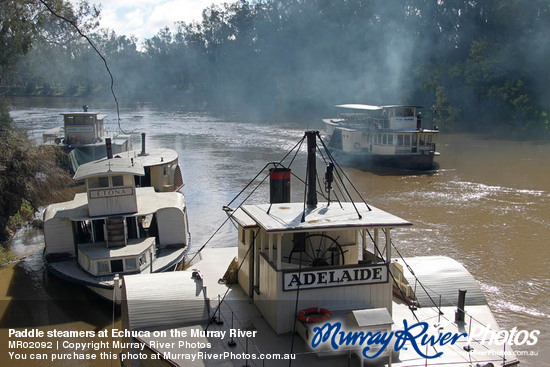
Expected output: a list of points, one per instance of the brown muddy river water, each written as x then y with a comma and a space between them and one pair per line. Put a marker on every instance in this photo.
487, 207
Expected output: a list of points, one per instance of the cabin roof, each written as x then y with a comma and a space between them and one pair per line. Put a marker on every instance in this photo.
153, 156
182, 298
107, 166
98, 115
372, 107
444, 276
287, 217
401, 105
360, 107
148, 202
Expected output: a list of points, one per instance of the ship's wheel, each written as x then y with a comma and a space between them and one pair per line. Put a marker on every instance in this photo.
316, 250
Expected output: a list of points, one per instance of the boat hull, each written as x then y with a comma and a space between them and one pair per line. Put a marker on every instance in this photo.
415, 162
104, 286
359, 148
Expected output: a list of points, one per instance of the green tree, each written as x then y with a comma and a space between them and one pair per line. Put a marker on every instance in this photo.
26, 172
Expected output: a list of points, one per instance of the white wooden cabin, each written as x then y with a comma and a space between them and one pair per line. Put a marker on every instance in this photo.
161, 169
341, 268
114, 227
83, 127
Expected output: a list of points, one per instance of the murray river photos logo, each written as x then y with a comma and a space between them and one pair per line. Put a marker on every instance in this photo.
417, 336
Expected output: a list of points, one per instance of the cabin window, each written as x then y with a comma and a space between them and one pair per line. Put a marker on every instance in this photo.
421, 142
83, 231
413, 140
407, 140
143, 259
404, 111
130, 264
385, 141
117, 181
97, 182
399, 139
379, 138
102, 267
116, 266
390, 139
429, 138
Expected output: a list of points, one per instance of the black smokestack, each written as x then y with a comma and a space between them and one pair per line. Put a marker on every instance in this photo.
311, 169
143, 144
109, 148
279, 185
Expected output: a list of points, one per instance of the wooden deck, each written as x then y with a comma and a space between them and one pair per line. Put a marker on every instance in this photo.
239, 312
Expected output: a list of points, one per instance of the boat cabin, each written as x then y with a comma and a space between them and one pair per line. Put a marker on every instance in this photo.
393, 117
161, 170
114, 227
383, 135
83, 128
401, 117
336, 259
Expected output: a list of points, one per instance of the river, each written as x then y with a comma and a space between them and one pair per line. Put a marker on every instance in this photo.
488, 207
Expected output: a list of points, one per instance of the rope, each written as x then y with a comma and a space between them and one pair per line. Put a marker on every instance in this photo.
96, 50
296, 309
239, 268
343, 173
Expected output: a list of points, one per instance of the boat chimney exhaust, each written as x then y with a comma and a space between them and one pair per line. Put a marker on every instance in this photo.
311, 169
459, 313
109, 148
143, 144
279, 185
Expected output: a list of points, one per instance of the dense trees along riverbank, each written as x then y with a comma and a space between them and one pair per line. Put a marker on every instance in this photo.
483, 64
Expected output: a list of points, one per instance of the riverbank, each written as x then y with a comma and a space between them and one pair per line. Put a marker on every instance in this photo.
28, 217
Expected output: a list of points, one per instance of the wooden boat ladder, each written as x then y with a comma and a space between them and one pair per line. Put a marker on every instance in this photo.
116, 232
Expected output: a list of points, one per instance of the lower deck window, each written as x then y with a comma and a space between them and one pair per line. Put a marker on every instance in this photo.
116, 266
102, 267
143, 259
130, 264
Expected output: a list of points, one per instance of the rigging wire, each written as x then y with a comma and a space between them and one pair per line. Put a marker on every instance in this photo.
279, 163
335, 181
343, 173
425, 289
229, 287
75, 26
296, 309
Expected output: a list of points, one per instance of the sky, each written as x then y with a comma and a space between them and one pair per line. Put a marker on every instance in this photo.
144, 18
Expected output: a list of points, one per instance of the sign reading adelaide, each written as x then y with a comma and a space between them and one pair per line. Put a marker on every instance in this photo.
323, 278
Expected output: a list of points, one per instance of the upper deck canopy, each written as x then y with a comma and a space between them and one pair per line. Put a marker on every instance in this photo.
287, 217
148, 202
152, 157
97, 115
107, 166
372, 107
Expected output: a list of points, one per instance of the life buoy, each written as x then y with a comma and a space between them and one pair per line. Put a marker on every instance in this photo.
357, 146
322, 315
